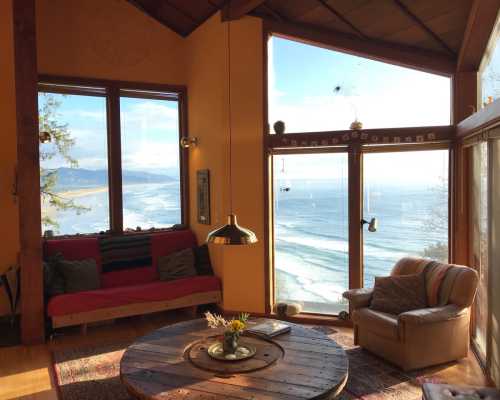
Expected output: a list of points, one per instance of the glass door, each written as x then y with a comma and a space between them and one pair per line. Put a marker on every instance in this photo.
407, 193
311, 261
479, 242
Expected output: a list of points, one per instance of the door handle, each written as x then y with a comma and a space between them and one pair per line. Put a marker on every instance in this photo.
372, 224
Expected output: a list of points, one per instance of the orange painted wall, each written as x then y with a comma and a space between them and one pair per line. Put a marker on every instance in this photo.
206, 63
98, 44
9, 228
241, 267
106, 39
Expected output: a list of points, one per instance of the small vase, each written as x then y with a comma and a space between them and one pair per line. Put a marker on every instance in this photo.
230, 343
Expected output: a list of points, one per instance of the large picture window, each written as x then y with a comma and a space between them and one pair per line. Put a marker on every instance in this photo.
73, 163
110, 158
150, 162
314, 89
348, 202
489, 74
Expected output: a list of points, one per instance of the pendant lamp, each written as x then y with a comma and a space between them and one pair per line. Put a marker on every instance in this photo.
231, 233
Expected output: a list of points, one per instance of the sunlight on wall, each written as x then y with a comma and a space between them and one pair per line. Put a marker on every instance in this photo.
100, 45
241, 267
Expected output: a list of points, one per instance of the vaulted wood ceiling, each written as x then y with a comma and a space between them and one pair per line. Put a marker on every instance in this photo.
182, 16
437, 27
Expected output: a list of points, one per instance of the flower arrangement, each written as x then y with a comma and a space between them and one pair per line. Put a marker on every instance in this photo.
234, 328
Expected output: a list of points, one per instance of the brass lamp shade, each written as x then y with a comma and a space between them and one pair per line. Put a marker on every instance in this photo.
232, 234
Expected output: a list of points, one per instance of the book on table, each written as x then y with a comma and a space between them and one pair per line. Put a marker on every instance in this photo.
269, 329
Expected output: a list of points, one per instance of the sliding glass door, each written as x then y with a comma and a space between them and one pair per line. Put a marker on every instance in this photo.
479, 243
407, 192
311, 262
405, 195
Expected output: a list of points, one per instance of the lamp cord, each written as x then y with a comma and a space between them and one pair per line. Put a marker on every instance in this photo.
229, 117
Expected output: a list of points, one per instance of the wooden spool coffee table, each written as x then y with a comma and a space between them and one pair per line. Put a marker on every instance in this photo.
170, 363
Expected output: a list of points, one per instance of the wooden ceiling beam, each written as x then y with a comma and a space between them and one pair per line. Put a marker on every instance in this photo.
406, 56
235, 9
480, 24
424, 27
184, 13
273, 12
335, 12
153, 13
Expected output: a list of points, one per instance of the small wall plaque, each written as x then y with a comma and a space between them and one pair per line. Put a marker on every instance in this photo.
203, 195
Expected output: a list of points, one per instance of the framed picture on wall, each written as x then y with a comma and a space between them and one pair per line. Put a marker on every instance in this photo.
203, 195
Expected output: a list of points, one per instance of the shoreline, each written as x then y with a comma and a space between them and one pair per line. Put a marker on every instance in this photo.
97, 189
82, 192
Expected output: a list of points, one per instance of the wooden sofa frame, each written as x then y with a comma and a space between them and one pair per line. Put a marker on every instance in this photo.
128, 310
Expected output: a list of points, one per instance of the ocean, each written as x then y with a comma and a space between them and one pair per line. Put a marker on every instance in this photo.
311, 230
311, 236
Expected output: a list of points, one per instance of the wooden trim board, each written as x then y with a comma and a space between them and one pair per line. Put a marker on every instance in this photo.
136, 309
28, 176
406, 56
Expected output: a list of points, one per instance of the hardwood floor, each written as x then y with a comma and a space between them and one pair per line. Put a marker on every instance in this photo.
26, 371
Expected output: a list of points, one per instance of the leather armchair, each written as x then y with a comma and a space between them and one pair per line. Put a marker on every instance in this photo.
418, 338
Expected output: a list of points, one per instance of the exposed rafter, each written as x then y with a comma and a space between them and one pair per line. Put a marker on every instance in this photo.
273, 12
152, 12
424, 60
235, 9
424, 27
335, 12
184, 13
480, 24
174, 16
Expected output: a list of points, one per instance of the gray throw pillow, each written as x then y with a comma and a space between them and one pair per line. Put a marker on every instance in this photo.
398, 294
176, 265
80, 276
53, 281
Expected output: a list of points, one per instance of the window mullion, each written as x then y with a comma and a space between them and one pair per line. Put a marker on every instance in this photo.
115, 161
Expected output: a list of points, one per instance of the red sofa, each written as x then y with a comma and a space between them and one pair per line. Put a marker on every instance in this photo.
130, 291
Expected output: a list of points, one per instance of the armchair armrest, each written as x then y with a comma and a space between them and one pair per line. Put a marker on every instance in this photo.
358, 298
432, 315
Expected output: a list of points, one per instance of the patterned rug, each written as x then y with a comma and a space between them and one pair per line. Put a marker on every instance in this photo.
93, 374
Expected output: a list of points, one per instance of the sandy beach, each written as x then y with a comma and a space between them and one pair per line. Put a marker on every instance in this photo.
71, 194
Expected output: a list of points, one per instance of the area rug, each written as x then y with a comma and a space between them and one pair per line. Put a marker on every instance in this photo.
93, 373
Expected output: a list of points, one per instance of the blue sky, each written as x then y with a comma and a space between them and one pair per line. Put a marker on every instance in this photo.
149, 133
490, 77
302, 79
302, 82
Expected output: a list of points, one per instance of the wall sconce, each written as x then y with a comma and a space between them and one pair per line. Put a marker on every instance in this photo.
187, 142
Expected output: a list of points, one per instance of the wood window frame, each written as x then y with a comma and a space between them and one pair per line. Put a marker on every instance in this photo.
475, 129
399, 139
112, 91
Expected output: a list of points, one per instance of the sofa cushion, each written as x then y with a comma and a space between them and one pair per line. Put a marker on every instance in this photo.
79, 248
129, 277
53, 280
71, 303
79, 275
380, 323
177, 265
165, 243
398, 294
202, 260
